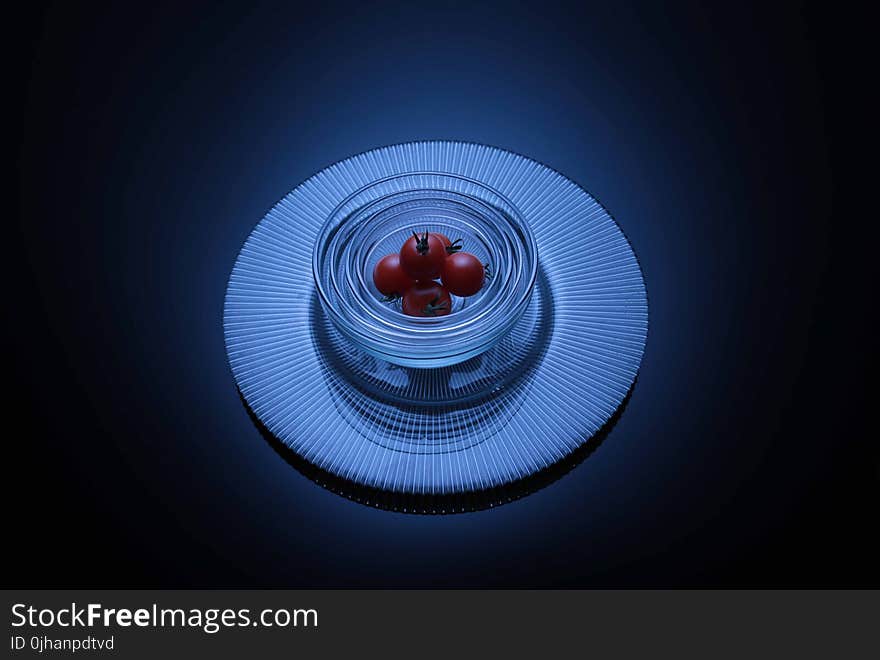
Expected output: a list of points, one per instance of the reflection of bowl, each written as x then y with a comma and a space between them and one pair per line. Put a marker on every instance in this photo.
377, 219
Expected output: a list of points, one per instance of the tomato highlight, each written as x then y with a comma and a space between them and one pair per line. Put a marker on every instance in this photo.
390, 278
463, 274
427, 299
422, 256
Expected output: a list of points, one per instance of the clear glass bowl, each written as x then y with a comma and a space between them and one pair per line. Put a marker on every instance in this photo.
376, 220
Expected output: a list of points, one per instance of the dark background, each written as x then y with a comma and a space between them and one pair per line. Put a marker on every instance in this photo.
151, 141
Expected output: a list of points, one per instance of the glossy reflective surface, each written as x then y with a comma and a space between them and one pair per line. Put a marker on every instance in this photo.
524, 405
377, 219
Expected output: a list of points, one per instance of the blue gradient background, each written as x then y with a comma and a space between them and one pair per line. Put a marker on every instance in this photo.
151, 144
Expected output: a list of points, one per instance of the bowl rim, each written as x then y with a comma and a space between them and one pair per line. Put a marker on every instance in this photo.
434, 327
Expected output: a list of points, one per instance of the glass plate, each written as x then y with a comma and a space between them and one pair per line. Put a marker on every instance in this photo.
527, 404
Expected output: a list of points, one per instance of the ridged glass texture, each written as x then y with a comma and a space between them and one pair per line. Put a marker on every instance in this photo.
523, 405
377, 220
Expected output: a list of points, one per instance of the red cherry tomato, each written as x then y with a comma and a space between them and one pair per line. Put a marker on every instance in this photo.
422, 256
463, 274
427, 299
389, 276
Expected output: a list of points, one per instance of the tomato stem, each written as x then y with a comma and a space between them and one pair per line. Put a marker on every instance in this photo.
432, 307
454, 246
421, 243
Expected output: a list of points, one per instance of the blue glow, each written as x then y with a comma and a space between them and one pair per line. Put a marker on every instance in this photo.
568, 383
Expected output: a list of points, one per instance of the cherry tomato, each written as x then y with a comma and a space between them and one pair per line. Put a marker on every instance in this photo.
389, 276
427, 299
422, 256
463, 274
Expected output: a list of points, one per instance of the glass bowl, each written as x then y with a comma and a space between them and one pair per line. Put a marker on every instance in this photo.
376, 220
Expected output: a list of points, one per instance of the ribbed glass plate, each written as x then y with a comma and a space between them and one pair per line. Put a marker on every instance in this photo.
524, 405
